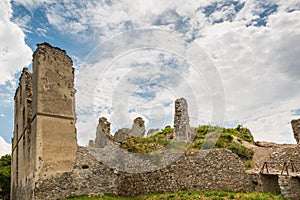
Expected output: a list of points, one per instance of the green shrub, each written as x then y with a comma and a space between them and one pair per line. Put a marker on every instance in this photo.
249, 164
5, 162
241, 151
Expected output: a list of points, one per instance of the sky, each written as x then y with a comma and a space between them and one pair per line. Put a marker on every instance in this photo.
236, 62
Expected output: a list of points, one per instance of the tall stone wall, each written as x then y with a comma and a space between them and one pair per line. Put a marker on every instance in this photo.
44, 141
53, 111
22, 143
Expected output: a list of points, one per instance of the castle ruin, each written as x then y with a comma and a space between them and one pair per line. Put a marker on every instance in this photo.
47, 163
44, 121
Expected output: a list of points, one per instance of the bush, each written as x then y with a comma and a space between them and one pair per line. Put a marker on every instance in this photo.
241, 151
5, 162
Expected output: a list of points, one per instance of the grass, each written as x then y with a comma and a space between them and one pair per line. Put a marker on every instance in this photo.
205, 137
205, 195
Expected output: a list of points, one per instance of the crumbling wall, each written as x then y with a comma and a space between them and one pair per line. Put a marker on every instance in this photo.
103, 133
22, 144
220, 169
121, 135
88, 177
44, 141
289, 186
296, 129
53, 111
181, 120
138, 127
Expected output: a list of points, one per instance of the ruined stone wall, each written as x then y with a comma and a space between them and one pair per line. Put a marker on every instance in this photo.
220, 169
44, 141
296, 129
53, 111
290, 186
181, 120
22, 142
88, 177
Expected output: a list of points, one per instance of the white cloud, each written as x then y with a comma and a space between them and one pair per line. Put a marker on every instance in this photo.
5, 148
14, 53
259, 66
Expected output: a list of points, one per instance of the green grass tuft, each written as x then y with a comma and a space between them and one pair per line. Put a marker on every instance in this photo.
206, 195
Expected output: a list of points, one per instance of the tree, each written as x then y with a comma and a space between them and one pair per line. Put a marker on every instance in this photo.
5, 162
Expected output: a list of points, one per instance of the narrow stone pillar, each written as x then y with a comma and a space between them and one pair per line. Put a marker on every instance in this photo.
296, 129
103, 133
181, 120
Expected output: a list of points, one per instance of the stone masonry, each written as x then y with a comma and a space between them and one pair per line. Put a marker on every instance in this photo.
138, 127
121, 135
48, 164
296, 129
44, 141
103, 133
181, 120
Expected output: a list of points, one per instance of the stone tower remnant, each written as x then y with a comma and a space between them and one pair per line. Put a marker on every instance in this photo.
103, 133
44, 141
138, 127
296, 129
181, 120
122, 135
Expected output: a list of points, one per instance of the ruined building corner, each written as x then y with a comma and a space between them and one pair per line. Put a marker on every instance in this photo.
43, 98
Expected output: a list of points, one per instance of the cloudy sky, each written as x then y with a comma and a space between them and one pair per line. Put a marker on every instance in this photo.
236, 62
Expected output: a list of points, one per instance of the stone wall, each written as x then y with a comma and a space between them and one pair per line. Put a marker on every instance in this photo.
22, 143
89, 176
290, 186
53, 111
44, 141
220, 169
296, 129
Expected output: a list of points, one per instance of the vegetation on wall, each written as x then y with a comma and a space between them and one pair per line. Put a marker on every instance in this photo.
205, 137
5, 162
